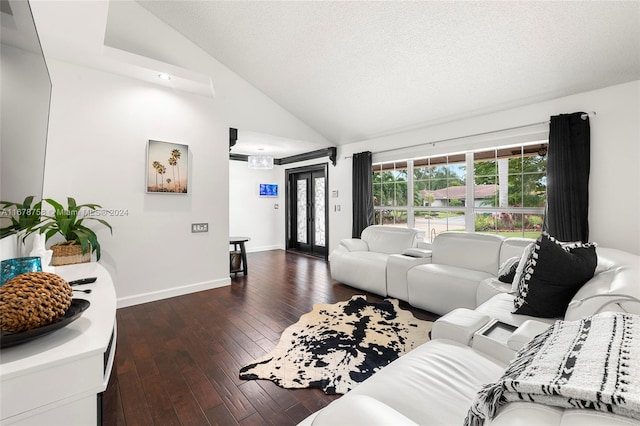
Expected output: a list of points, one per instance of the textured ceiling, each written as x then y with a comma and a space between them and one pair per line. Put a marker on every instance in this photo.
360, 69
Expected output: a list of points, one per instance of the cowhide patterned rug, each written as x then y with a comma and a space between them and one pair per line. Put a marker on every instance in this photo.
334, 347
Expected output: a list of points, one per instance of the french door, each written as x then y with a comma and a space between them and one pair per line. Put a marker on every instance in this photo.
307, 215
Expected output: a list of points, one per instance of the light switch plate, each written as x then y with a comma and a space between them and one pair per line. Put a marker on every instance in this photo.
199, 227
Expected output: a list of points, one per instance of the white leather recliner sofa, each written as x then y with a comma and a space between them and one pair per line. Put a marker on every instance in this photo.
615, 286
435, 383
439, 279
459, 262
362, 262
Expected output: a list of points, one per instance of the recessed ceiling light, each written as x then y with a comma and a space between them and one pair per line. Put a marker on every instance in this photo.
163, 76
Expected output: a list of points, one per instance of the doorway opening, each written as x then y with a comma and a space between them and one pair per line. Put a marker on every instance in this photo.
307, 215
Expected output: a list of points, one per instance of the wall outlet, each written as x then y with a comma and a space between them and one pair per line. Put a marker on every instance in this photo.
334, 193
336, 207
276, 206
199, 227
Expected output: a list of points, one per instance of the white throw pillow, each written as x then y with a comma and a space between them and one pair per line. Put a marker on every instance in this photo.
523, 261
507, 271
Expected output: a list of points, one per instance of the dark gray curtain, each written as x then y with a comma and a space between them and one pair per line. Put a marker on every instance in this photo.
568, 164
362, 193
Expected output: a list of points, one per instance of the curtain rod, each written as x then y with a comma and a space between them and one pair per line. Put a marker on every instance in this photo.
584, 116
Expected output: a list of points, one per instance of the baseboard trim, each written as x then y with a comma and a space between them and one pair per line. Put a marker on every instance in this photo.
264, 248
170, 292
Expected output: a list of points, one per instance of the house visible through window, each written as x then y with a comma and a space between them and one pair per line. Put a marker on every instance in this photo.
507, 195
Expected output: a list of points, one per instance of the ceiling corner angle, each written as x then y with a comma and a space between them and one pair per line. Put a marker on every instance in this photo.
147, 69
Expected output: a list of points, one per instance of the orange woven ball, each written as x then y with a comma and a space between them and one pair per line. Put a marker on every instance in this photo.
33, 300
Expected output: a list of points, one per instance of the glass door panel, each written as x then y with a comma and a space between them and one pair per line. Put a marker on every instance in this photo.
319, 211
301, 203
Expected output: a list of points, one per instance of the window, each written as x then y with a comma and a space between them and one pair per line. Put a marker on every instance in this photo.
439, 193
507, 197
390, 191
518, 177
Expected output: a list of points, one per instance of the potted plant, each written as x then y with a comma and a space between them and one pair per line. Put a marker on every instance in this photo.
22, 215
69, 222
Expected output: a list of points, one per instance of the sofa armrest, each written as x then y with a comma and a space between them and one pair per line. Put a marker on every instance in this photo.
527, 331
397, 267
459, 325
354, 244
596, 303
417, 252
425, 245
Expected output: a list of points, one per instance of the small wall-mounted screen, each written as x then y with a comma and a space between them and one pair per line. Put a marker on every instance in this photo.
268, 190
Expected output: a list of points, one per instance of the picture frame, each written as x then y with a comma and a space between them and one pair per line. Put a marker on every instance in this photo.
167, 167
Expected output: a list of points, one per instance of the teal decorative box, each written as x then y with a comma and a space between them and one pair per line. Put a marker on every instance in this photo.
17, 266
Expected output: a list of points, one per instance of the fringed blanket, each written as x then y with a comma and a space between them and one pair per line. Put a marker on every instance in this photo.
592, 363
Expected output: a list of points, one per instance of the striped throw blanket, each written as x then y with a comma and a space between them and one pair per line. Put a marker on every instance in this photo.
593, 363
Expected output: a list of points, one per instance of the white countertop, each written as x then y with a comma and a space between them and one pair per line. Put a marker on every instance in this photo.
89, 334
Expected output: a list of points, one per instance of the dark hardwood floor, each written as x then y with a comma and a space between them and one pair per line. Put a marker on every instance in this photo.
177, 360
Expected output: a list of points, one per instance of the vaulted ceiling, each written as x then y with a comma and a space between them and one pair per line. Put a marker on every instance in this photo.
354, 70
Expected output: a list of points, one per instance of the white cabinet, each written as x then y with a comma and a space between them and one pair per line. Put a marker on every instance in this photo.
56, 379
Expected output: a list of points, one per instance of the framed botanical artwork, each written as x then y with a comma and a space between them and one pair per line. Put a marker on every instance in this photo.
167, 167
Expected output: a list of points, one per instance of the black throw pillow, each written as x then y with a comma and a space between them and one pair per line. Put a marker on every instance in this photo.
553, 274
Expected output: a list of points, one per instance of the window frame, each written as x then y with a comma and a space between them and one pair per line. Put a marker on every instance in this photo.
468, 210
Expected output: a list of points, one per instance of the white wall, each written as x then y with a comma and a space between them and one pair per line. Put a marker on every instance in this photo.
240, 104
615, 154
99, 128
254, 216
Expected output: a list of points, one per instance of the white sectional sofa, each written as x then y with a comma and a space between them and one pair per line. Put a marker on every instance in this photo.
440, 278
614, 287
436, 383
431, 385
362, 262
459, 262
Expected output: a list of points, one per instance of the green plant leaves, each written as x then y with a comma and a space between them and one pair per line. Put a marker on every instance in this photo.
23, 217
69, 223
